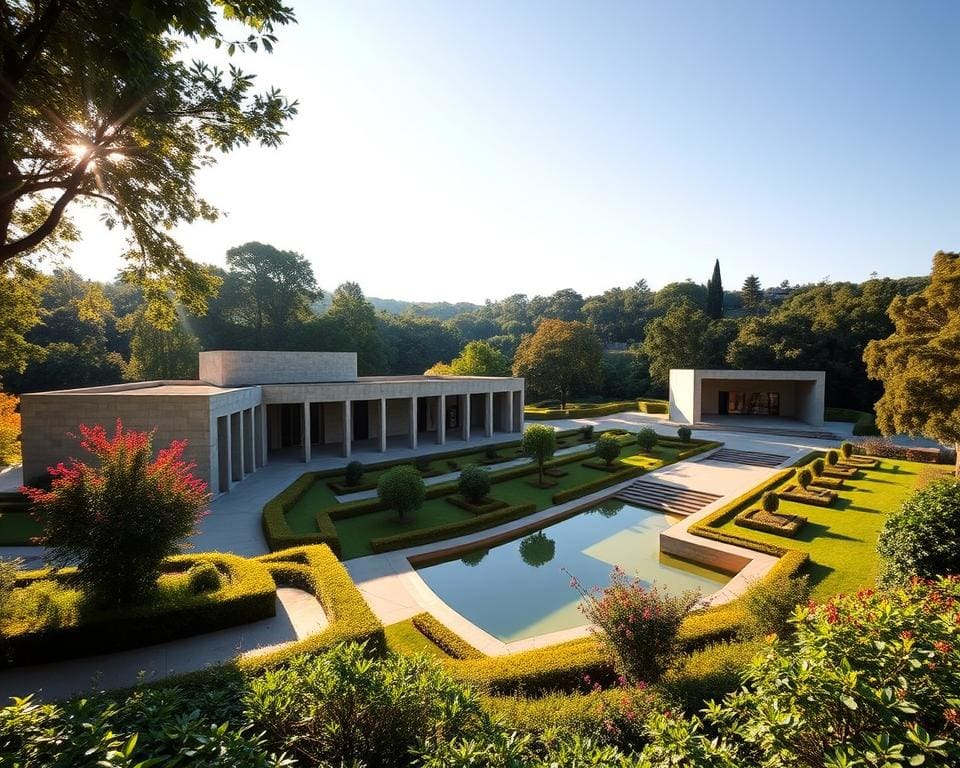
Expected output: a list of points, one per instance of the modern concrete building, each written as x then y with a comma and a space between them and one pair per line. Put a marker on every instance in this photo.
697, 396
250, 406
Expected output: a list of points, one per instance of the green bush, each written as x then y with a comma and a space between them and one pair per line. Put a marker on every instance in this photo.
203, 576
846, 449
248, 594
770, 501
539, 443
474, 483
833, 456
422, 463
402, 489
922, 538
8, 578
415, 538
444, 638
804, 477
817, 466
277, 531
684, 433
346, 708
710, 673
771, 602
490, 452
353, 475
586, 433
607, 449
647, 439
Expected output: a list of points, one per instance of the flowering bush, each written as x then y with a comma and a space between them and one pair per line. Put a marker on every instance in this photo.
869, 680
117, 521
9, 429
637, 624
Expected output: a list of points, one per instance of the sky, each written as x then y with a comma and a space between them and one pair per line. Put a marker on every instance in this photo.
463, 151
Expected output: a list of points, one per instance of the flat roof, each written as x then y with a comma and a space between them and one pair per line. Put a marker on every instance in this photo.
146, 389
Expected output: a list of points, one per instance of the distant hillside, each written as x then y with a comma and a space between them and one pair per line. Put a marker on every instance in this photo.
441, 310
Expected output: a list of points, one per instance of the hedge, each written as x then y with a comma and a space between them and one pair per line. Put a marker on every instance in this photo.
608, 479
435, 533
653, 406
864, 424
710, 673
585, 412
444, 638
483, 507
697, 449
249, 594
752, 518
315, 569
277, 531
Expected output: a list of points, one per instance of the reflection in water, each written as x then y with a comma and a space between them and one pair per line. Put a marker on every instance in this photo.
607, 508
473, 558
537, 549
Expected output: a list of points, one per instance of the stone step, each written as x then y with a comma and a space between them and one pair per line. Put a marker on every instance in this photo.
752, 458
666, 498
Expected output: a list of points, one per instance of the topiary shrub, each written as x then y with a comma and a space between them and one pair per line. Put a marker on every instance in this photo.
846, 449
922, 538
607, 449
539, 442
490, 452
474, 483
804, 477
647, 439
402, 489
119, 519
422, 463
204, 576
770, 502
353, 474
684, 434
833, 457
817, 466
586, 433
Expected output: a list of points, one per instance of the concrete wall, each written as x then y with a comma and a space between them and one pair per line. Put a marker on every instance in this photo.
241, 368
710, 394
683, 396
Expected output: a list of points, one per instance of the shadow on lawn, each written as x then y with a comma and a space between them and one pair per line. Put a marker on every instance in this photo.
811, 531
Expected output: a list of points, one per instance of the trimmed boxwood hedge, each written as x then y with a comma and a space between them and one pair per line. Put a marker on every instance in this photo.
753, 518
604, 481
248, 593
444, 638
435, 533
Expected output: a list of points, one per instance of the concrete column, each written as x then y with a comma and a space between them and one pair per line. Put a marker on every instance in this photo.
383, 425
306, 432
518, 419
441, 419
263, 447
347, 428
412, 422
509, 404
228, 452
249, 447
488, 415
236, 447
465, 415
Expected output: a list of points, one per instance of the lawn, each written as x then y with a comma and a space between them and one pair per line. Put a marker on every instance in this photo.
355, 533
842, 539
17, 528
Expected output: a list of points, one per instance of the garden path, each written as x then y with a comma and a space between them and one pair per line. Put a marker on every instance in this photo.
299, 615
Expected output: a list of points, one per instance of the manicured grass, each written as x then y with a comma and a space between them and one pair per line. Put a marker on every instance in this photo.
355, 533
17, 528
404, 637
842, 539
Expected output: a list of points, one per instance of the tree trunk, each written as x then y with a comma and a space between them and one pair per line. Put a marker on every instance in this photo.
563, 398
956, 460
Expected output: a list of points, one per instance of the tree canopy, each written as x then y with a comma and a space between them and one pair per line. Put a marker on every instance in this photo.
103, 108
917, 363
560, 357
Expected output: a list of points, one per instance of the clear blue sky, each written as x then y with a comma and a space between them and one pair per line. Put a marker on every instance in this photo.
469, 150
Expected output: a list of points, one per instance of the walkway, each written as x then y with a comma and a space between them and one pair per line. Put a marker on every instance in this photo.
299, 615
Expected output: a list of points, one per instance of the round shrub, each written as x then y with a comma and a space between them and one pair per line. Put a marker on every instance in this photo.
770, 502
646, 439
586, 433
204, 576
817, 466
490, 452
804, 477
354, 473
402, 489
832, 457
474, 483
607, 449
846, 449
684, 434
922, 538
422, 463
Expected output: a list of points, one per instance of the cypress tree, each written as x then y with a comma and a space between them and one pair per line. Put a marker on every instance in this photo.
715, 293
751, 293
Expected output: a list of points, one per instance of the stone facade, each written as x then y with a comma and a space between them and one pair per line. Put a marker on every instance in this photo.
302, 403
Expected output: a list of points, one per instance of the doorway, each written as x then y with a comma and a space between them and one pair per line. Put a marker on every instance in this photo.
724, 406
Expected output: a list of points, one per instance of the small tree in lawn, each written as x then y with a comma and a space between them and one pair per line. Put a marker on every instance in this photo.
117, 521
353, 474
804, 477
647, 439
817, 466
539, 442
474, 483
607, 449
770, 502
402, 489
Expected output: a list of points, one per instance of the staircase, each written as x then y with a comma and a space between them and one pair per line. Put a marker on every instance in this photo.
674, 499
749, 458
